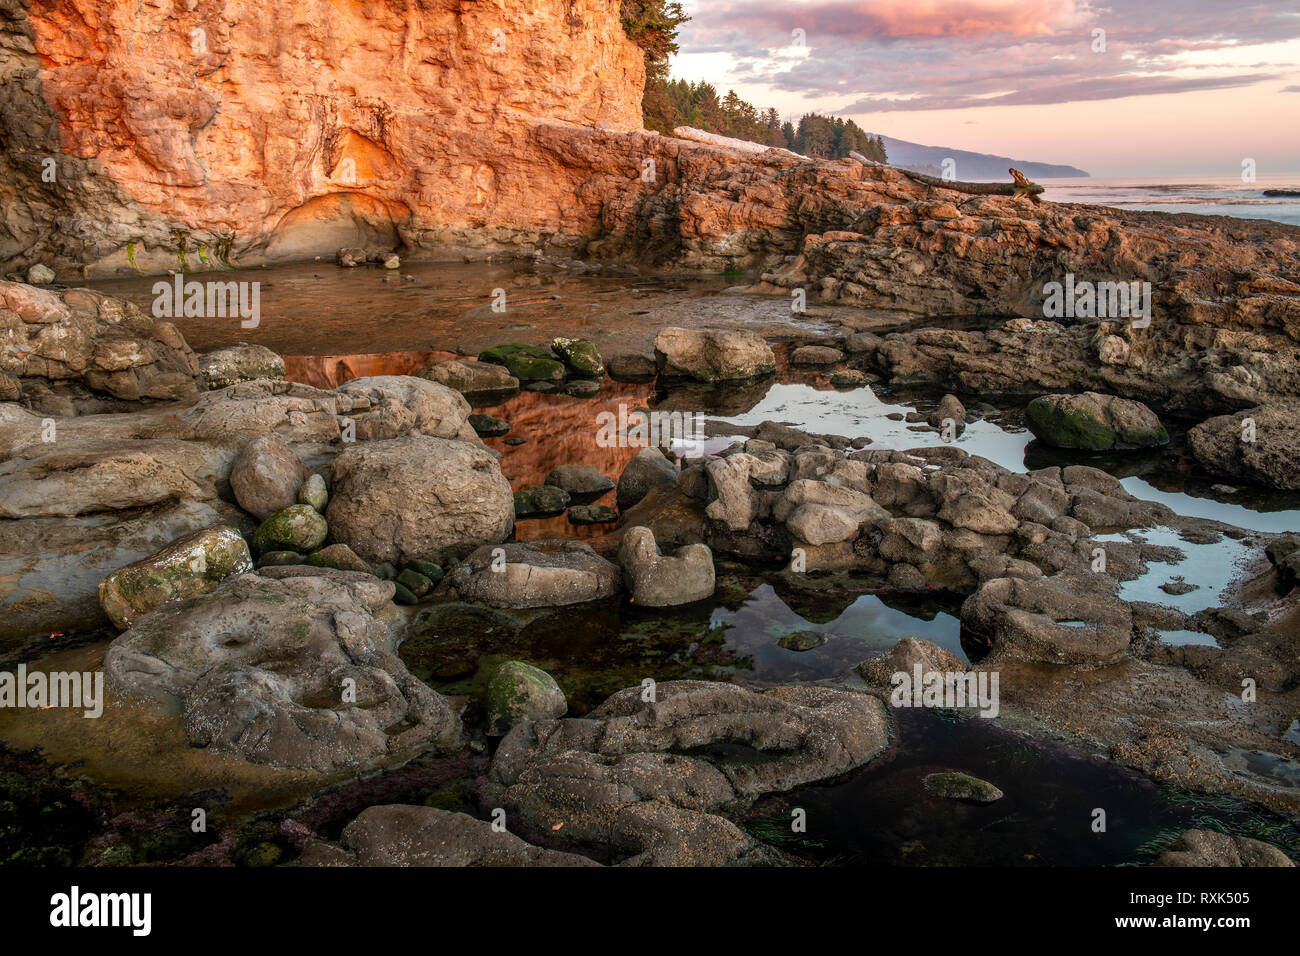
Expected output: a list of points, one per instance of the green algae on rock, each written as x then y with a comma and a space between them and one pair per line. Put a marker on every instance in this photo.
520, 691
1094, 422
580, 355
415, 582
192, 564
540, 501
528, 363
295, 528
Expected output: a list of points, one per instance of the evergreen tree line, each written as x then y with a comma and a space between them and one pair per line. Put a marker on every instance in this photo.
667, 104
671, 103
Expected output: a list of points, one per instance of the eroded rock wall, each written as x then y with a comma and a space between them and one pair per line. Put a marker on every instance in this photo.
183, 133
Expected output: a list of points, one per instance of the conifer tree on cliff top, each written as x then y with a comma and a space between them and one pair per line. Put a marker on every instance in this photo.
667, 104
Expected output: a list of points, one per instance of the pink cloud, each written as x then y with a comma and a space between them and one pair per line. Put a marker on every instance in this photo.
897, 19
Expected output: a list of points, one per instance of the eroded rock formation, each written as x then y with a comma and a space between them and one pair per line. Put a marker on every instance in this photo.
187, 137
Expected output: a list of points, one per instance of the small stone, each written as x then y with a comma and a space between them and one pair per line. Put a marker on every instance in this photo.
279, 558
961, 786
528, 363
950, 410
350, 258
592, 514
486, 426
340, 557
40, 274
582, 388
415, 582
659, 580
848, 378
402, 595
647, 469
192, 564
467, 375
581, 355
520, 691
540, 501
631, 367
295, 528
314, 493
430, 570
393, 261
266, 476
241, 362
803, 640
579, 480
1094, 422
516, 441
816, 355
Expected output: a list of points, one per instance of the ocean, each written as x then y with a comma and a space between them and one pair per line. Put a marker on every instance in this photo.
1205, 195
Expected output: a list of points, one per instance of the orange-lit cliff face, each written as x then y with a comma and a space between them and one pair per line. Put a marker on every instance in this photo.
272, 130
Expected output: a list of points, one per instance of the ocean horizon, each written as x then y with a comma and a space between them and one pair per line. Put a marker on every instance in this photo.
1203, 195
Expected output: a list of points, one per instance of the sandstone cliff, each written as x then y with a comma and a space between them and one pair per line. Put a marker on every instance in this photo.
182, 134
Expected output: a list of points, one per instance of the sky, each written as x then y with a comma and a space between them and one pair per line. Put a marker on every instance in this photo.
1167, 87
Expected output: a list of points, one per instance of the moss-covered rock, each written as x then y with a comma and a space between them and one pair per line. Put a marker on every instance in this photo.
961, 786
295, 528
519, 691
1094, 422
540, 500
430, 570
581, 355
415, 582
528, 363
192, 564
274, 559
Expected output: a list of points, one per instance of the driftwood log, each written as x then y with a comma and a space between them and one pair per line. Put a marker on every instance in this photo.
713, 139
1018, 187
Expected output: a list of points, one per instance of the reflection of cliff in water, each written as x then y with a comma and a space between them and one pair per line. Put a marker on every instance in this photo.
331, 371
558, 429
562, 430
